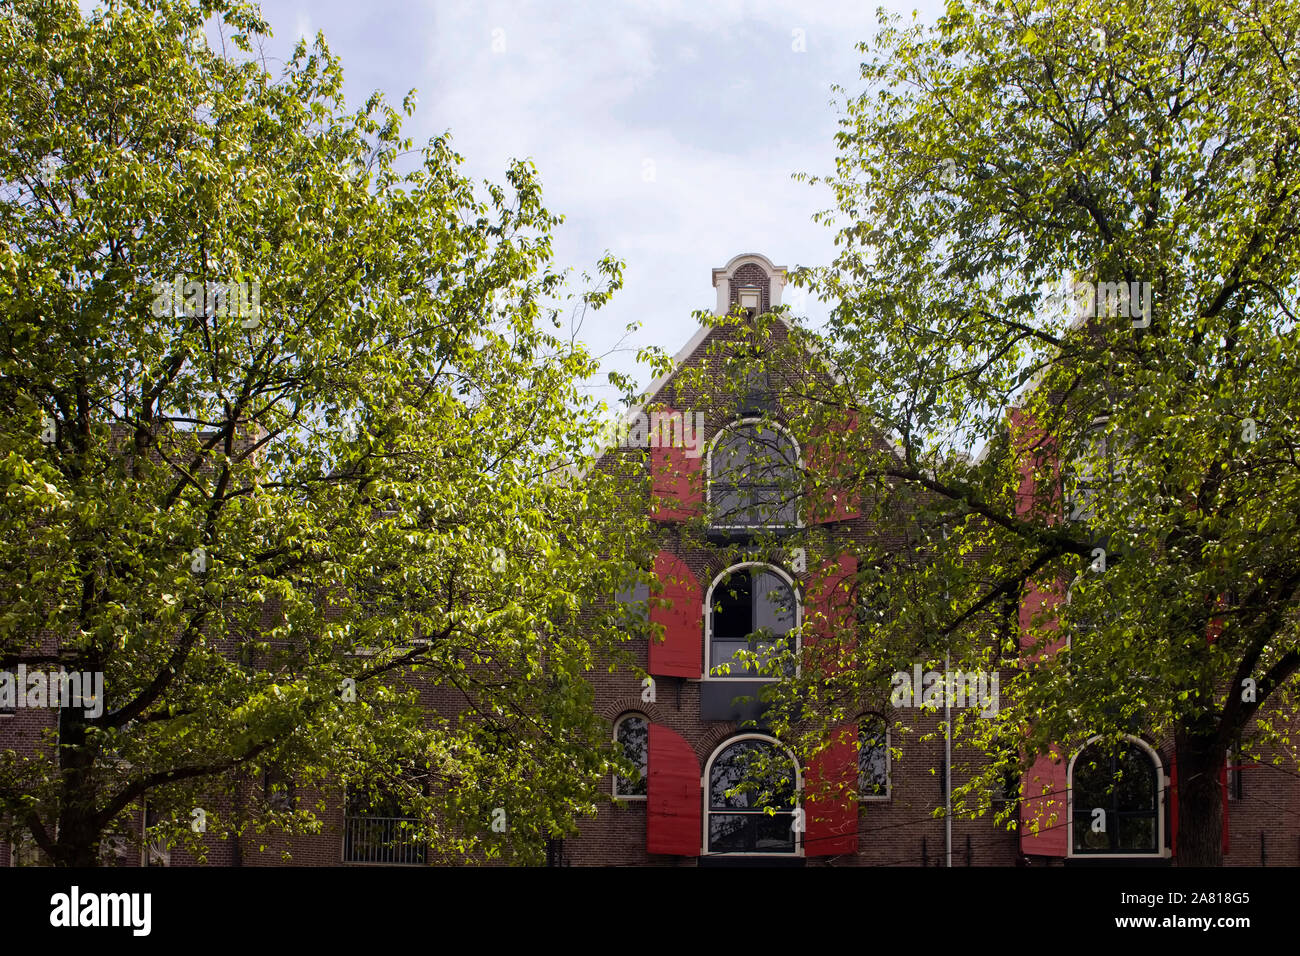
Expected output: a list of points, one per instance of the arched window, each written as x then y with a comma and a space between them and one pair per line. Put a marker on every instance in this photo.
873, 758
747, 777
1115, 800
752, 607
753, 470
632, 734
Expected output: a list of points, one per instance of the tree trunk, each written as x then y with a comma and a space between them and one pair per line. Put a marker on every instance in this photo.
1201, 760
79, 833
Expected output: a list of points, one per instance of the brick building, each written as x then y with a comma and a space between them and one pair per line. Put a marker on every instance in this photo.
730, 587
692, 740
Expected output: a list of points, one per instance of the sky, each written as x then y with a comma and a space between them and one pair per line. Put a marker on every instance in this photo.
665, 131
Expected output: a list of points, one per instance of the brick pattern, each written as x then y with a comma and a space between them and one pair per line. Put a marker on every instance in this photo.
751, 274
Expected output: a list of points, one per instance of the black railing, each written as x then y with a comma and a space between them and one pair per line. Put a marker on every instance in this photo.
380, 840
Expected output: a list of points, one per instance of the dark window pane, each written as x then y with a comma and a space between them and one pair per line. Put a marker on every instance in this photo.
727, 833
1136, 834
748, 612
757, 772
774, 834
733, 609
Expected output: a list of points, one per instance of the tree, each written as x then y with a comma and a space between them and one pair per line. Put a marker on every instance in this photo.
287, 449
1068, 241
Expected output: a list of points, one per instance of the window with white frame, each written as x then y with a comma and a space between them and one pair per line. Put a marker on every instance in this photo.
873, 758
753, 472
632, 734
1115, 800
752, 608
752, 782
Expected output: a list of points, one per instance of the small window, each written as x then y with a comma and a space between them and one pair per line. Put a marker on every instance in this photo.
753, 469
635, 596
279, 789
1235, 784
1115, 796
632, 733
752, 608
156, 852
873, 758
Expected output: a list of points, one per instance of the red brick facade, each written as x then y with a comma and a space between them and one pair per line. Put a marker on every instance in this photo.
900, 829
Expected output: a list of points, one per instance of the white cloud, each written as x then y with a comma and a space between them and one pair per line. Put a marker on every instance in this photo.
710, 92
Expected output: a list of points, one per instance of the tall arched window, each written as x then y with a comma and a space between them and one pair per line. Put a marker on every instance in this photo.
752, 607
873, 758
632, 734
747, 777
1115, 800
753, 472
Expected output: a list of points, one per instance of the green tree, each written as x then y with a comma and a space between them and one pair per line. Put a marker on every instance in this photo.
315, 515
997, 167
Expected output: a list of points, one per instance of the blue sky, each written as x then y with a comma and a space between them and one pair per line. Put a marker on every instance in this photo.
665, 131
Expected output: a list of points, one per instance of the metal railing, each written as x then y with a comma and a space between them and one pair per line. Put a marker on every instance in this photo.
380, 840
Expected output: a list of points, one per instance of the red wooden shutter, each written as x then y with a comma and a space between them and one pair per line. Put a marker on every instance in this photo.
680, 610
1050, 810
833, 612
828, 468
1044, 789
674, 803
1038, 465
1035, 601
831, 811
831, 778
676, 472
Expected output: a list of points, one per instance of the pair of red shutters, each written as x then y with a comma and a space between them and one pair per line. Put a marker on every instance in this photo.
675, 789
1053, 838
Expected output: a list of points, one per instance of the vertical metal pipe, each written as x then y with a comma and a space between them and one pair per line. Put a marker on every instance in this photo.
947, 760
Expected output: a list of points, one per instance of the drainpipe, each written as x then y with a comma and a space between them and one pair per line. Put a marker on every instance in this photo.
947, 763
239, 812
